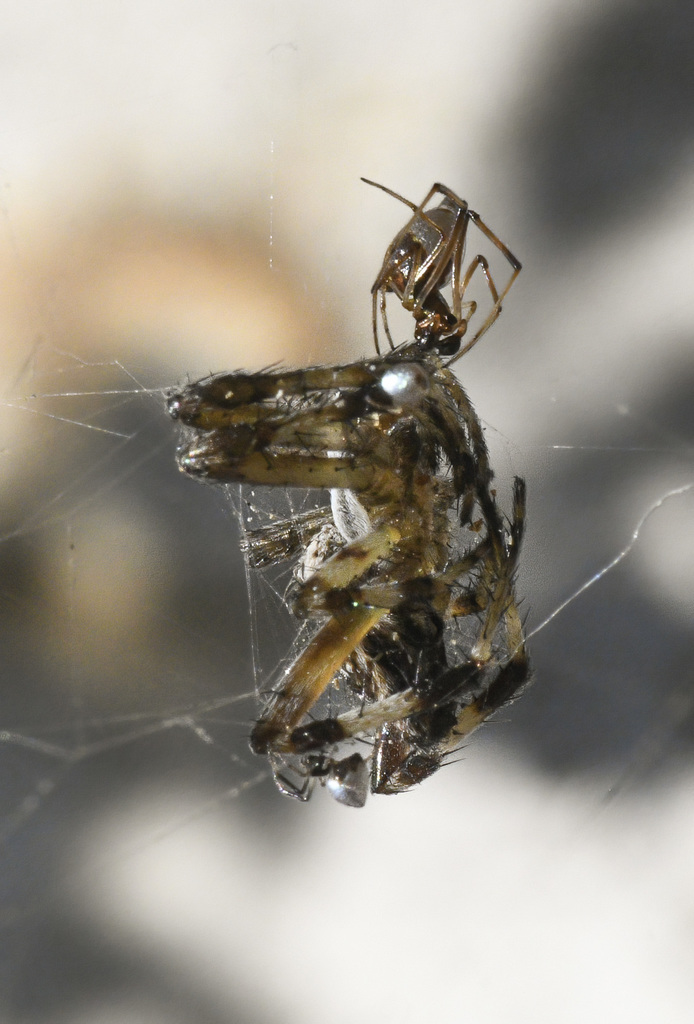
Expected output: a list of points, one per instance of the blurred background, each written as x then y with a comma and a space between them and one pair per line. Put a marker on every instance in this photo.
180, 195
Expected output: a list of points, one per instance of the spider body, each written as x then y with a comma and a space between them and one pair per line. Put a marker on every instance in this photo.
413, 582
425, 257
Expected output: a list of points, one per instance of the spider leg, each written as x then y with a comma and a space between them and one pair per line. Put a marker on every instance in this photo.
301, 791
509, 680
328, 589
400, 759
497, 297
514, 672
390, 192
367, 718
307, 678
409, 262
341, 569
483, 263
501, 590
213, 457
398, 745
378, 303
455, 276
228, 400
294, 429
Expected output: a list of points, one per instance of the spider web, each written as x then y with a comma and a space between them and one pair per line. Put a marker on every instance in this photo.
139, 835
122, 461
102, 464
133, 662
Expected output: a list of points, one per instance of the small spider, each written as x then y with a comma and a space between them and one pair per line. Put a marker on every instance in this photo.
426, 256
410, 572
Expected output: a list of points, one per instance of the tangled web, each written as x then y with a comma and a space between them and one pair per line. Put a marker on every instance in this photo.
131, 656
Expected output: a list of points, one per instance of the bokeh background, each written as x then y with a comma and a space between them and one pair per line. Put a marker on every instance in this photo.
180, 195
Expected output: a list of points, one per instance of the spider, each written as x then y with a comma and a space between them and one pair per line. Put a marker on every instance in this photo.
409, 575
423, 258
